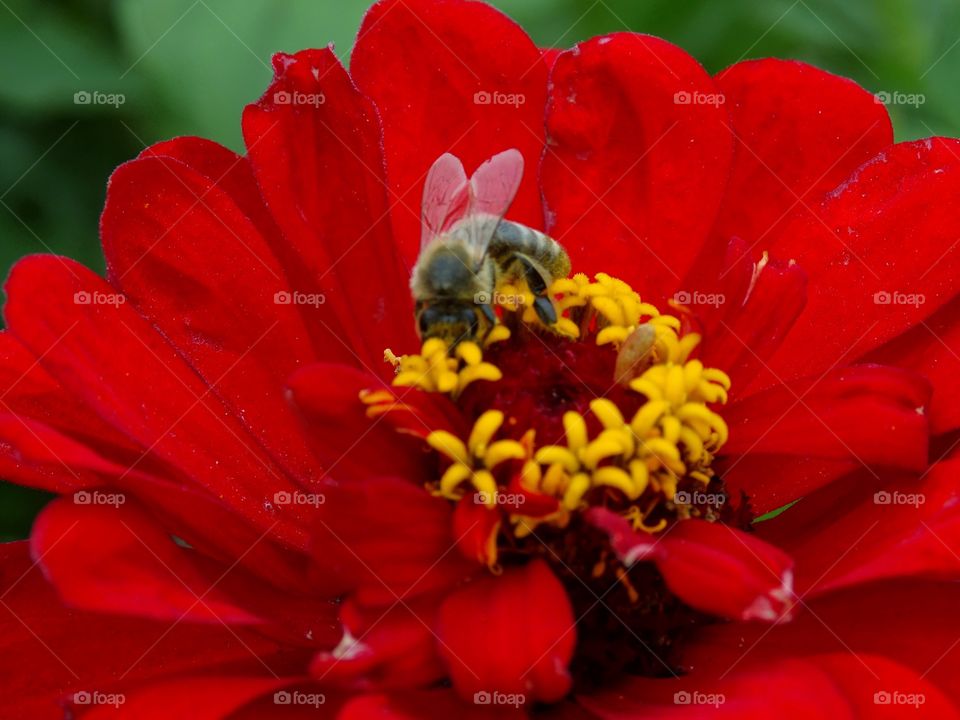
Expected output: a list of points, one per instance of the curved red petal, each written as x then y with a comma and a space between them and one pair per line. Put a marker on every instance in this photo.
138, 384
314, 144
106, 555
48, 652
195, 265
902, 527
349, 442
836, 417
637, 161
836, 685
880, 251
902, 621
450, 76
512, 634
384, 539
714, 568
799, 133
931, 349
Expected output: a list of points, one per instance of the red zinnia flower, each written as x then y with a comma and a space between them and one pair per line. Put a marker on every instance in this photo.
258, 511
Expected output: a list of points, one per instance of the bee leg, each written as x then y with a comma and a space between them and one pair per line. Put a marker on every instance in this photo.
545, 310
538, 286
488, 313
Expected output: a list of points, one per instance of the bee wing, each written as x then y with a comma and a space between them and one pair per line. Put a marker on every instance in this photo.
446, 196
491, 191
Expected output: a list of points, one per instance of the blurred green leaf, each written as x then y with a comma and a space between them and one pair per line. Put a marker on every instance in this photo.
208, 58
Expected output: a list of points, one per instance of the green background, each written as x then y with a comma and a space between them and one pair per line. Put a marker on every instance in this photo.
187, 67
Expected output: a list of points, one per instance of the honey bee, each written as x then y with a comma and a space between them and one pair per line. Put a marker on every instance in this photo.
467, 250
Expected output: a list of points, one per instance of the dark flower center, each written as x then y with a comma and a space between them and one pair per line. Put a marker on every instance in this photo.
603, 409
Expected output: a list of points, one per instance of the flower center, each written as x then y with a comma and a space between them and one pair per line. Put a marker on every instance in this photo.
605, 408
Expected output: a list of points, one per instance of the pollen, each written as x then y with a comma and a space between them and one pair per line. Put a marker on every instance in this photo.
436, 369
642, 448
473, 462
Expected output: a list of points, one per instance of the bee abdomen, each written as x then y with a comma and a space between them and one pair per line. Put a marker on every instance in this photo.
513, 238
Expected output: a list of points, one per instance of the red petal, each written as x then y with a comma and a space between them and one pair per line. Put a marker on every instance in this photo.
476, 526
909, 622
48, 651
395, 648
752, 327
902, 527
347, 441
511, 634
114, 558
933, 350
227, 170
28, 390
385, 539
839, 416
137, 383
417, 705
194, 264
314, 144
833, 685
711, 567
880, 253
429, 66
197, 698
628, 159
800, 132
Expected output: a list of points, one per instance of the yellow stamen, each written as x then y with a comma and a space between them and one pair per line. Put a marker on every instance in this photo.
433, 370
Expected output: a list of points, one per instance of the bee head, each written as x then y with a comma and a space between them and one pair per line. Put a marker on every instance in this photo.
449, 321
